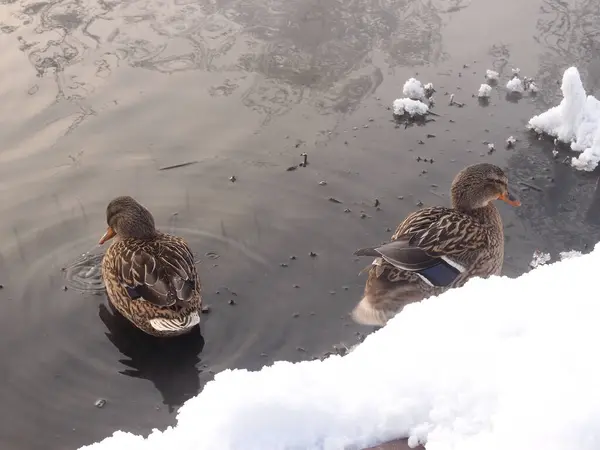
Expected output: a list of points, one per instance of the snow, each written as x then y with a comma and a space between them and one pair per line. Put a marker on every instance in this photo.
409, 106
492, 75
484, 91
413, 89
500, 363
533, 87
515, 85
510, 141
576, 120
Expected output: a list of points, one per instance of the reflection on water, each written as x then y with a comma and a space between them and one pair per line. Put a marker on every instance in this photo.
316, 52
170, 364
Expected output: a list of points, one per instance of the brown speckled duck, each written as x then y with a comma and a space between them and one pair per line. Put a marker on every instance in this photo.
438, 248
150, 277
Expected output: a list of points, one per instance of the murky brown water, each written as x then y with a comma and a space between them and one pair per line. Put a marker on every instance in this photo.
98, 96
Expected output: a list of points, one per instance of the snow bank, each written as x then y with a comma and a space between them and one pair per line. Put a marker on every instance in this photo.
501, 363
576, 120
408, 106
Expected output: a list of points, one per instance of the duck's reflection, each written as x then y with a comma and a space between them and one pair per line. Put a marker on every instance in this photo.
169, 363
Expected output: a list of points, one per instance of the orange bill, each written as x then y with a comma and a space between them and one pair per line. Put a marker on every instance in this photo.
510, 199
110, 233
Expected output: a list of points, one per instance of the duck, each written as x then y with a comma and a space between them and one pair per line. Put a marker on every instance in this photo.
150, 276
438, 248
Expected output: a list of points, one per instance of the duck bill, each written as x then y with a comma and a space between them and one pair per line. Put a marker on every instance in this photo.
510, 199
110, 233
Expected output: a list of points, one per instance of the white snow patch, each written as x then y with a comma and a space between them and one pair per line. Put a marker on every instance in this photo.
516, 71
492, 75
539, 259
515, 85
498, 364
570, 254
484, 91
409, 106
413, 89
511, 141
576, 120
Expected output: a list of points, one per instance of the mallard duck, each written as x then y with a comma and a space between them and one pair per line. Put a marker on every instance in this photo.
438, 248
150, 277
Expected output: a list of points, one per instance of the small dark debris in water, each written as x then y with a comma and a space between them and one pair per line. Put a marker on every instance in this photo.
65, 288
301, 349
364, 216
378, 209
205, 309
289, 169
347, 210
1, 286
346, 142
231, 302
293, 257
420, 142
401, 197
176, 166
371, 119
419, 159
388, 229
312, 254
452, 121
304, 162
283, 264
322, 183
365, 126
218, 292
429, 135
232, 178
296, 315
295, 286
298, 144
423, 172
433, 185
100, 403
377, 202
334, 200
419, 203
212, 255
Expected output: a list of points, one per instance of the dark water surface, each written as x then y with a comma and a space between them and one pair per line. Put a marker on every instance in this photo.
98, 96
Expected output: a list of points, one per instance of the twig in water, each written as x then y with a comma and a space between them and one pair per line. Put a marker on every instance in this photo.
530, 186
176, 166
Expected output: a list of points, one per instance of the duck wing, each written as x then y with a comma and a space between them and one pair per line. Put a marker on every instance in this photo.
161, 272
427, 243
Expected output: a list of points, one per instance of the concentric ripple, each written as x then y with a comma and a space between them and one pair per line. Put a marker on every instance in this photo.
85, 274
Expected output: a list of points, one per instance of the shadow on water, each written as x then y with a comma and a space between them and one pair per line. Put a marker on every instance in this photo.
170, 364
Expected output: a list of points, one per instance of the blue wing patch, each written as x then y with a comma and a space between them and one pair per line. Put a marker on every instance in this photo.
133, 293
440, 275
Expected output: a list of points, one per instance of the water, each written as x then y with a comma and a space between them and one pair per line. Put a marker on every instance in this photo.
97, 97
